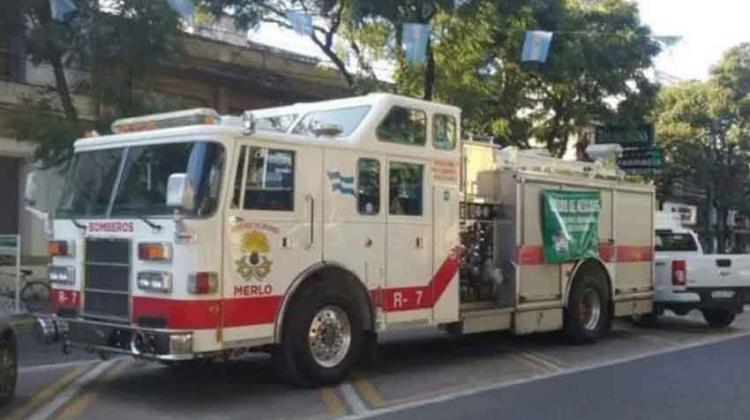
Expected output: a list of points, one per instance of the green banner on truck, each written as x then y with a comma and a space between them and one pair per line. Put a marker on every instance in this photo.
570, 225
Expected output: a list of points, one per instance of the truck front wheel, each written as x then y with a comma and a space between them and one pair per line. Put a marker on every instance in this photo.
322, 336
718, 318
587, 312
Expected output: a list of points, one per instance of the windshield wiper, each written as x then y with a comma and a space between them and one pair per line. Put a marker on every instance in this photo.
151, 224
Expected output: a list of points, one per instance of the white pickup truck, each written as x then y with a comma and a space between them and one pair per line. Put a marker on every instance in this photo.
685, 278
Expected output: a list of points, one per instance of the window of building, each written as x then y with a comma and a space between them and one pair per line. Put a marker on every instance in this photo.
368, 186
405, 189
405, 126
269, 181
345, 120
444, 132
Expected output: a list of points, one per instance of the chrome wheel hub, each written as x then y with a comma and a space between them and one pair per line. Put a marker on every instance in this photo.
329, 336
590, 309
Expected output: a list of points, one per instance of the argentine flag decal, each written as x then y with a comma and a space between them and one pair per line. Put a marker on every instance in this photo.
341, 184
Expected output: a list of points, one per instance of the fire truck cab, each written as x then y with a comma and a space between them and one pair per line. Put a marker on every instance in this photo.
307, 229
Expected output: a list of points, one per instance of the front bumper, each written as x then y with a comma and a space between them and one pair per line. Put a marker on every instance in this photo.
146, 343
707, 298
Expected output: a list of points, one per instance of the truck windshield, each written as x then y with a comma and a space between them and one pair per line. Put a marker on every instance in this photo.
132, 180
675, 242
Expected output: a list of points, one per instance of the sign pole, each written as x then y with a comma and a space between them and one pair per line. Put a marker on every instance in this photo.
18, 274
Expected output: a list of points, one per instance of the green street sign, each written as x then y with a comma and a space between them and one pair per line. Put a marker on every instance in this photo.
641, 158
626, 136
570, 225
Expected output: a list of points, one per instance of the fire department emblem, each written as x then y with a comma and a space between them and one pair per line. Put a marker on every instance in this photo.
254, 263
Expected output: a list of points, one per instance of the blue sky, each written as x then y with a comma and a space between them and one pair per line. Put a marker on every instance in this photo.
708, 28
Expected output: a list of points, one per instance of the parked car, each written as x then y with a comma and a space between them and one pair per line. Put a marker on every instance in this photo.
686, 278
8, 361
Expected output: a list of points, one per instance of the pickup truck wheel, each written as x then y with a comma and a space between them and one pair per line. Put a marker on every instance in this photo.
323, 335
718, 318
8, 368
587, 314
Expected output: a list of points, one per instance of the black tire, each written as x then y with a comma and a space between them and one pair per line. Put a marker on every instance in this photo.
36, 295
8, 367
718, 318
581, 325
293, 359
645, 320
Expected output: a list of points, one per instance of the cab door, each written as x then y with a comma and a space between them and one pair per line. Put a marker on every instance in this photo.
272, 232
354, 219
408, 296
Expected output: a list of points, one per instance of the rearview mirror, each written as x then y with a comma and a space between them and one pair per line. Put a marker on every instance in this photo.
31, 191
180, 192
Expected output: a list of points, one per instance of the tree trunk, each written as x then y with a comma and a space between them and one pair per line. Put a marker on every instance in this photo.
721, 216
429, 72
63, 90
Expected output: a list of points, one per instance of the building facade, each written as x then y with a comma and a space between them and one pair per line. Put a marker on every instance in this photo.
217, 68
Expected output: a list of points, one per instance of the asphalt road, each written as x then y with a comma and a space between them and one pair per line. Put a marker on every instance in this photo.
710, 381
681, 368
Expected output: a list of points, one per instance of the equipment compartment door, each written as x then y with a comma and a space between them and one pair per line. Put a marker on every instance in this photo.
446, 254
408, 295
273, 232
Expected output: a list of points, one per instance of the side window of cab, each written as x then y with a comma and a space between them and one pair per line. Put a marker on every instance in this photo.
443, 132
404, 126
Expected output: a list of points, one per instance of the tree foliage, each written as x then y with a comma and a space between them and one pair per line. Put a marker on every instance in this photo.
599, 53
705, 130
108, 55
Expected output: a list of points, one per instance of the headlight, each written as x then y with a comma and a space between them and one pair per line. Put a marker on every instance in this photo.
155, 281
61, 274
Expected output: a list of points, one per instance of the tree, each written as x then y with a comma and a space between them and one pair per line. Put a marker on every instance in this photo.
598, 53
331, 18
705, 130
118, 49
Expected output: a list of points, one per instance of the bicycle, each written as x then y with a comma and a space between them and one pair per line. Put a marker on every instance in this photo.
35, 294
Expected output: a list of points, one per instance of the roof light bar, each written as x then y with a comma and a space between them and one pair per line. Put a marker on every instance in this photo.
197, 116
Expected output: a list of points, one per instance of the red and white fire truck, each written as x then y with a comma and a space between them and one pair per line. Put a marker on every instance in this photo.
306, 230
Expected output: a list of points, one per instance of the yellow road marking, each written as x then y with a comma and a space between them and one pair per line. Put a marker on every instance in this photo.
332, 400
538, 361
369, 393
79, 405
47, 393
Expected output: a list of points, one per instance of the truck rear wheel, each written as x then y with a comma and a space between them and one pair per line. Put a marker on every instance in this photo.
587, 312
718, 318
322, 336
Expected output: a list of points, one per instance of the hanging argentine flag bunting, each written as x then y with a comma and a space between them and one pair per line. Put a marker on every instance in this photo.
301, 22
536, 46
63, 10
414, 40
185, 8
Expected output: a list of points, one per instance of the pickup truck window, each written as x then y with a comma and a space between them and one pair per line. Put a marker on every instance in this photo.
675, 242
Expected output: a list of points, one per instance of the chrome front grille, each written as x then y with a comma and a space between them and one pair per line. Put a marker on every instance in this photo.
107, 279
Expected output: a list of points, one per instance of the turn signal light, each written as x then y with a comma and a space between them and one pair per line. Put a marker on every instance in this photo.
204, 283
59, 249
154, 251
679, 272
